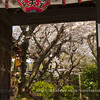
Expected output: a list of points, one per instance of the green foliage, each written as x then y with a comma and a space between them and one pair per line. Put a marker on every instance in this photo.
23, 97
41, 67
30, 66
44, 89
89, 80
73, 98
47, 76
18, 97
90, 77
63, 98
12, 63
51, 99
68, 92
76, 98
75, 81
27, 77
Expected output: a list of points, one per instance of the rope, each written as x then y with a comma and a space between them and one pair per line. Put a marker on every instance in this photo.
6, 4
63, 2
79, 1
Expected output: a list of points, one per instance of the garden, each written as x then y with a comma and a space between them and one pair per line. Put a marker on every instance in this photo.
54, 62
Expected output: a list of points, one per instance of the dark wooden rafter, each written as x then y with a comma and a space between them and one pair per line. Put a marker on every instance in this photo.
55, 14
0, 1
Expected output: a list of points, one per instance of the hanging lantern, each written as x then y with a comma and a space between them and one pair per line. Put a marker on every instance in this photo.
34, 6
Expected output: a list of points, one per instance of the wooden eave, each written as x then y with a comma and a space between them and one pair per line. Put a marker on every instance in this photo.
54, 14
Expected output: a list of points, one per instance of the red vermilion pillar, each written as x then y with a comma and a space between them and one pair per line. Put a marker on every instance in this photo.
5, 54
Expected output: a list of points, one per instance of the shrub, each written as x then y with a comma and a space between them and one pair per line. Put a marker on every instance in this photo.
63, 99
44, 89
68, 92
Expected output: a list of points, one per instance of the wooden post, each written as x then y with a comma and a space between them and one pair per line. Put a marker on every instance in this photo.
80, 86
98, 39
5, 55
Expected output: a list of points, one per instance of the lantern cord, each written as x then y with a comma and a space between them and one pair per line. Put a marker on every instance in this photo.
6, 4
32, 2
63, 2
79, 1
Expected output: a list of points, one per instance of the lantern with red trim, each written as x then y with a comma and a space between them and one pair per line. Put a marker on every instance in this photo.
34, 6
